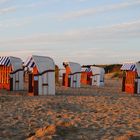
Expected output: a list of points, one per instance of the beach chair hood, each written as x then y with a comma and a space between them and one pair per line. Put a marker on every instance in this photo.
42, 63
15, 62
97, 70
75, 67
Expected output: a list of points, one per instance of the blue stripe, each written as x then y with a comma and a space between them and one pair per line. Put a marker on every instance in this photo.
132, 67
5, 60
28, 63
8, 62
1, 60
32, 65
88, 70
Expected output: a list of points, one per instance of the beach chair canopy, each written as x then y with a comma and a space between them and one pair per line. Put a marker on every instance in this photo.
42, 63
15, 62
75, 67
138, 68
97, 70
86, 69
131, 67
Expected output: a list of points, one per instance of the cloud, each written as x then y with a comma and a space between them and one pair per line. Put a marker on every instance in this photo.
94, 55
15, 8
108, 33
70, 15
7, 10
14, 24
95, 10
3, 1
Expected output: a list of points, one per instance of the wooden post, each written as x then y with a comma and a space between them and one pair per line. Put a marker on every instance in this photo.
11, 84
30, 88
63, 80
123, 81
69, 81
36, 88
136, 85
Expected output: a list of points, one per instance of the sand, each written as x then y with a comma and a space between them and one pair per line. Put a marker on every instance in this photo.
88, 113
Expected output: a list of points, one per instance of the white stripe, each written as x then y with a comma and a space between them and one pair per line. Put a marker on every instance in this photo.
3, 63
1, 60
7, 61
128, 66
27, 61
30, 64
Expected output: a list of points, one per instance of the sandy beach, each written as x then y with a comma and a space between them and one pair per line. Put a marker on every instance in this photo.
69, 69
87, 113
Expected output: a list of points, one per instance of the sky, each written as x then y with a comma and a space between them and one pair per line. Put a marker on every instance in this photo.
84, 31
